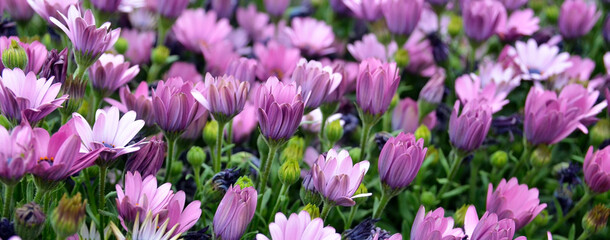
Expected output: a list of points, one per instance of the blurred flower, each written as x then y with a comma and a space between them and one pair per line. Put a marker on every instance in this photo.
210, 29
187, 71
505, 79
143, 19
52, 8
538, 62
109, 132
244, 123
549, 118
421, 59
376, 86
149, 159
310, 229
400, 160
434, 226
55, 66
252, 21
336, 179
406, 114
468, 128
17, 156
219, 56
109, 6
370, 47
280, 108
595, 168
520, 23
110, 72
313, 37
512, 5
138, 101
316, 82
140, 45
224, 97
434, 89
25, 96
513, 201
275, 60
224, 179
276, 7
369, 10
36, 52
235, 212
483, 18
469, 88
243, 69
349, 72
174, 106
312, 121
488, 227
402, 16
577, 18
579, 72
19, 10
224, 8
172, 9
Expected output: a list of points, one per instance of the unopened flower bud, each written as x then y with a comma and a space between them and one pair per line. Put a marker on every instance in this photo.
402, 58
542, 219
355, 154
455, 25
196, 157
600, 132
552, 13
177, 168
499, 159
541, 156
537, 5
159, 55
289, 172
596, 219
313, 210
15, 56
210, 132
244, 182
428, 199
29, 221
334, 131
294, 150
121, 45
68, 216
460, 215
423, 132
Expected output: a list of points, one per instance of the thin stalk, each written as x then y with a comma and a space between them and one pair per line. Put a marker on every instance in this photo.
366, 130
457, 161
276, 206
218, 153
385, 198
102, 194
197, 175
169, 159
350, 218
523, 159
153, 72
584, 235
326, 209
162, 31
96, 98
583, 201
322, 133
80, 72
267, 169
474, 170
8, 199
229, 139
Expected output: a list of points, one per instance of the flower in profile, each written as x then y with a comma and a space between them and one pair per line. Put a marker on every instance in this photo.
110, 72
488, 227
182, 217
149, 159
468, 88
138, 101
376, 85
171, 9
280, 108
235, 212
512, 5
482, 19
224, 8
244, 123
577, 18
25, 96
149, 228
434, 89
520, 23
316, 82
421, 59
369, 10
308, 229
218, 56
549, 118
140, 45
595, 168
52, 8
68, 216
252, 21
579, 72
187, 71
406, 117
55, 66
243, 69
276, 7
17, 156
349, 72
224, 97
468, 128
370, 47
434, 225
337, 179
313, 37
400, 160
19, 10
539, 62
36, 52
109, 132
276, 60
210, 29
402, 16
174, 107
513, 201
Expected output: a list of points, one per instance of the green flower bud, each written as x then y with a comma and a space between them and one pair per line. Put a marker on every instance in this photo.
294, 150
499, 159
460, 215
244, 182
424, 133
433, 155
196, 157
542, 219
15, 56
552, 13
210, 132
455, 25
538, 5
334, 131
177, 168
121, 45
159, 55
600, 132
313, 210
29, 221
541, 156
355, 154
68, 216
428, 198
361, 190
289, 172
402, 58
596, 219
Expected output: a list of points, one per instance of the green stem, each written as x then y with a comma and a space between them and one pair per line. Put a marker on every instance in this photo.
474, 170
102, 195
583, 201
169, 158
229, 140
322, 133
523, 159
162, 31
39, 194
584, 235
386, 121
8, 199
352, 215
94, 104
218, 152
267, 169
153, 72
79, 73
457, 161
385, 198
197, 175
366, 130
279, 200
326, 209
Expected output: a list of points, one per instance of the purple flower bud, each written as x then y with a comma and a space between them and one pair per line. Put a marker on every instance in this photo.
336, 179
55, 66
400, 160
174, 106
149, 159
316, 82
138, 101
110, 72
468, 128
171, 8
224, 97
276, 7
402, 16
280, 109
376, 85
597, 173
243, 69
577, 18
482, 19
235, 212
434, 89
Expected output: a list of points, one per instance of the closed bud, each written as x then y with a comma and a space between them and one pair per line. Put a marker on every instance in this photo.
542, 219
210, 132
428, 199
68, 216
159, 55
15, 56
460, 215
499, 159
289, 172
244, 182
596, 219
455, 25
196, 157
423, 132
313, 210
294, 150
537, 5
541, 156
402, 58
177, 168
29, 221
552, 13
334, 131
600, 132
121, 45
355, 154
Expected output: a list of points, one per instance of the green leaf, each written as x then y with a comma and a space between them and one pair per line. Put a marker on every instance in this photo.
572, 234
455, 191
